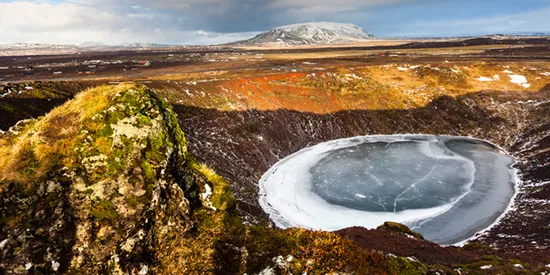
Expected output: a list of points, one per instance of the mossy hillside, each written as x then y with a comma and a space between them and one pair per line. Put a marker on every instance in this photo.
118, 151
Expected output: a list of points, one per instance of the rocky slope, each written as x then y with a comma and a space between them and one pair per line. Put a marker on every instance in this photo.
104, 184
314, 33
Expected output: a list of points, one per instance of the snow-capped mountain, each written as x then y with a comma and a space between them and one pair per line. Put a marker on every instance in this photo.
314, 33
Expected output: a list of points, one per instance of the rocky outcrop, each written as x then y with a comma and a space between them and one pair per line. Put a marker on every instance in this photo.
95, 185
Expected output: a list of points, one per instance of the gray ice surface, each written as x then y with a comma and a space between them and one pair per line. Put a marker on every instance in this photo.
397, 173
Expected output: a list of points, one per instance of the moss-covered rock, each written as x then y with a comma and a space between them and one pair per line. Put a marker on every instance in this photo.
400, 229
120, 158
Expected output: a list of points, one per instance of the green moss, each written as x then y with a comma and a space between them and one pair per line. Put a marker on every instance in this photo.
148, 172
28, 162
143, 120
402, 266
134, 201
107, 131
222, 197
7, 107
103, 210
158, 142
473, 246
493, 258
400, 228
115, 161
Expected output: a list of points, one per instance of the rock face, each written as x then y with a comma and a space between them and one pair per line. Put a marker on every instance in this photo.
314, 33
95, 185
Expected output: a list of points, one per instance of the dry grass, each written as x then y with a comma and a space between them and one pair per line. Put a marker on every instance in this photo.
358, 53
39, 146
369, 43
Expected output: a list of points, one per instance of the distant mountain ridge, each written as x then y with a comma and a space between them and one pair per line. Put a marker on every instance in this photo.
49, 49
313, 33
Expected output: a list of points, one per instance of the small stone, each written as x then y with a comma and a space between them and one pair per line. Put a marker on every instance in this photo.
144, 269
267, 271
28, 266
3, 244
52, 186
55, 265
289, 258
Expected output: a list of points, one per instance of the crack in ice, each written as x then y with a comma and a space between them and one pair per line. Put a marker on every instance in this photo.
414, 185
379, 201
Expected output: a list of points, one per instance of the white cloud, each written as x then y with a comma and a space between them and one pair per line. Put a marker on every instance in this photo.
41, 22
529, 21
326, 6
25, 16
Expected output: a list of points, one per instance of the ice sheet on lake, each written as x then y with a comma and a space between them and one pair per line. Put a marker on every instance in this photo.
446, 188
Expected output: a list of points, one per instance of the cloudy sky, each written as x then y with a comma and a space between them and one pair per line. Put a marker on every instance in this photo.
218, 21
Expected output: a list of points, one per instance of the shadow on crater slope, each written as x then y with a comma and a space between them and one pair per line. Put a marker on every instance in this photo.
241, 146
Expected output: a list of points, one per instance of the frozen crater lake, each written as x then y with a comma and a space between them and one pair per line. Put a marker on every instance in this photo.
446, 188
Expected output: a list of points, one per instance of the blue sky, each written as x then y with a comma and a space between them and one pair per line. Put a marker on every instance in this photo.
450, 18
218, 21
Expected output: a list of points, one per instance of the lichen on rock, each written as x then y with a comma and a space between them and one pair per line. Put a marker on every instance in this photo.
111, 164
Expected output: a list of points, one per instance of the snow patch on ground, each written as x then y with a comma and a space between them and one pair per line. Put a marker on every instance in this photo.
6, 94
486, 267
545, 74
484, 79
520, 80
403, 69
